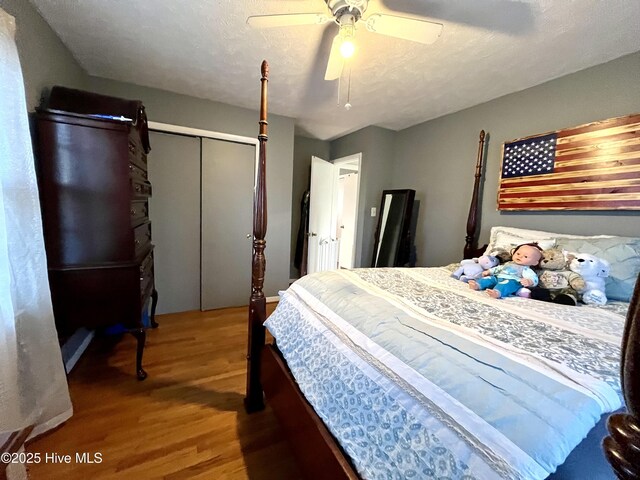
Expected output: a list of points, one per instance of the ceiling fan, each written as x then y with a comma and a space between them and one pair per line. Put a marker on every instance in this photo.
347, 14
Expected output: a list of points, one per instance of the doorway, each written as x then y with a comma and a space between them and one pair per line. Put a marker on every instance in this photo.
347, 208
333, 213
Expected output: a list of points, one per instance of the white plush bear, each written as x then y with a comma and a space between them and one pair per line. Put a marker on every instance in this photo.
472, 268
593, 270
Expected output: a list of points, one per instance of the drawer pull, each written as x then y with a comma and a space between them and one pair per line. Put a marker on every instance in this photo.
133, 212
132, 148
138, 187
137, 242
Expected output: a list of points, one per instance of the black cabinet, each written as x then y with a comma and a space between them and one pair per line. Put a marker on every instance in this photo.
91, 153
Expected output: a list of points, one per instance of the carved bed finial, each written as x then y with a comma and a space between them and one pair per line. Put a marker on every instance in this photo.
264, 69
470, 247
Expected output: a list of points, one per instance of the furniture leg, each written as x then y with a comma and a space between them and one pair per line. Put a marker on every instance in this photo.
141, 336
154, 304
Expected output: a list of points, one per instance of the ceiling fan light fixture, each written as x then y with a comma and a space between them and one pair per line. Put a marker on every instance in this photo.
347, 48
347, 35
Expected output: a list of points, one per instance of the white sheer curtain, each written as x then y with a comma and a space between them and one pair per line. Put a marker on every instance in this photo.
33, 385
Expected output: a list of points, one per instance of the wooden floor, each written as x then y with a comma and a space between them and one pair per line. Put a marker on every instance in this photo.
186, 420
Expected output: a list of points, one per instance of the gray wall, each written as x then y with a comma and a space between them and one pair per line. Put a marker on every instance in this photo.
46, 62
377, 146
176, 109
44, 59
437, 158
303, 149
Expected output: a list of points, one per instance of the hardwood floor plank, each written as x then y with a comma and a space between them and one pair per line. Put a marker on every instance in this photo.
185, 421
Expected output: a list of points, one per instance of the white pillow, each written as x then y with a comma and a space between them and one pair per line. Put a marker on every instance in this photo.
509, 241
509, 237
505, 236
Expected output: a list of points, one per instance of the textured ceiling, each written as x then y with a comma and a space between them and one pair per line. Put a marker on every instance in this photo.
204, 48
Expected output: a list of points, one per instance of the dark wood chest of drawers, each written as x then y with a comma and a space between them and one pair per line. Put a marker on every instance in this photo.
94, 192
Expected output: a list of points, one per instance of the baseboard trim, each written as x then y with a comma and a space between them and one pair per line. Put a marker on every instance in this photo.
274, 299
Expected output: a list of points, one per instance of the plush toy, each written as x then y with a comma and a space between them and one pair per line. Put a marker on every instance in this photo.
556, 283
503, 254
505, 280
472, 268
593, 270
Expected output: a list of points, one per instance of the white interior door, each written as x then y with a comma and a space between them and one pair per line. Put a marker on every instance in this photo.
321, 217
227, 223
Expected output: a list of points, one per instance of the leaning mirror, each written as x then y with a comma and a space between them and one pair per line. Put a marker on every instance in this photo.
393, 239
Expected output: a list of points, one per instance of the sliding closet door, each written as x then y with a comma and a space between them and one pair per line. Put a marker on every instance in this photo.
174, 209
227, 223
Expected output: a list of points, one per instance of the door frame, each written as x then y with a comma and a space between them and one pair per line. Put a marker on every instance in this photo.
349, 159
196, 132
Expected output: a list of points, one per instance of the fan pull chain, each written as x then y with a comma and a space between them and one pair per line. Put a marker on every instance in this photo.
339, 86
347, 105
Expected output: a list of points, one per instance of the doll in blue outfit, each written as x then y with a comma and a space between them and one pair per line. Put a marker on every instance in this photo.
505, 280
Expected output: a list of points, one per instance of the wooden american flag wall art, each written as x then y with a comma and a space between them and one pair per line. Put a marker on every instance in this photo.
591, 167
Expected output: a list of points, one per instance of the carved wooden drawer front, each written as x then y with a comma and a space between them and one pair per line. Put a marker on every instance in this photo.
142, 238
139, 212
138, 173
140, 188
136, 154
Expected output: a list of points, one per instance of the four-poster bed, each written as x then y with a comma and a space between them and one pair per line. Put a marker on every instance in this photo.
322, 456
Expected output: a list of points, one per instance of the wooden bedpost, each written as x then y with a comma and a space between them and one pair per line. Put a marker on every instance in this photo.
258, 304
622, 446
471, 247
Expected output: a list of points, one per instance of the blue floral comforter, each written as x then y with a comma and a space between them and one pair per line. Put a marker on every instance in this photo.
418, 376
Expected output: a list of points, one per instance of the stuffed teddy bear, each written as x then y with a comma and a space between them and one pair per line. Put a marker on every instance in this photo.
503, 254
472, 268
505, 280
593, 270
556, 282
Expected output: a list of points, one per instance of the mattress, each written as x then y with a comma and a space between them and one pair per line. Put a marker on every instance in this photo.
417, 376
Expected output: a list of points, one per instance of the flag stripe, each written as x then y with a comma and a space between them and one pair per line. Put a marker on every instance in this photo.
572, 198
602, 134
571, 192
629, 156
568, 204
576, 185
594, 126
613, 142
590, 167
571, 177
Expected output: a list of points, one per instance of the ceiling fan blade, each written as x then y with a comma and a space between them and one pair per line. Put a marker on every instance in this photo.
407, 28
287, 20
335, 63
515, 18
